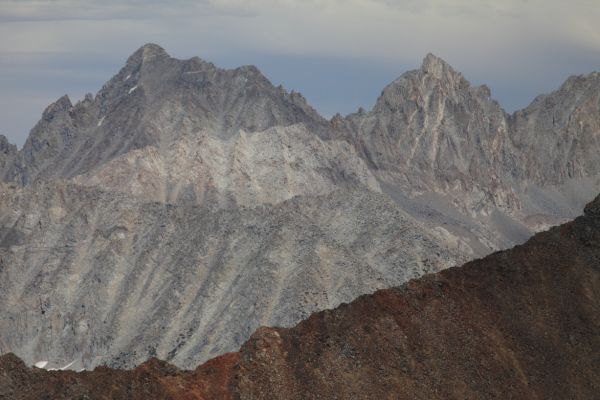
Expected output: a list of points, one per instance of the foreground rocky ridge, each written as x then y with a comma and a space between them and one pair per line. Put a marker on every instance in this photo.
521, 323
184, 205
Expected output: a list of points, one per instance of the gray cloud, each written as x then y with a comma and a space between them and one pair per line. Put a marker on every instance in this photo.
86, 10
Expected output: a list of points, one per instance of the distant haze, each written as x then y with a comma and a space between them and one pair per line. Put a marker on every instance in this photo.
338, 53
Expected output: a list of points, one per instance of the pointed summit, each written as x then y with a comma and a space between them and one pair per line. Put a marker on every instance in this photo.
61, 105
147, 52
435, 66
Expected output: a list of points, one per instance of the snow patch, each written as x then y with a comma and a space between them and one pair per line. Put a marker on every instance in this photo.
127, 77
67, 366
101, 120
132, 89
41, 364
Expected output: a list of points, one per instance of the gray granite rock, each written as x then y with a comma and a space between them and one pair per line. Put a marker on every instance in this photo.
97, 277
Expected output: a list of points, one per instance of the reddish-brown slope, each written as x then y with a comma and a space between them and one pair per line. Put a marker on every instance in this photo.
519, 324
154, 379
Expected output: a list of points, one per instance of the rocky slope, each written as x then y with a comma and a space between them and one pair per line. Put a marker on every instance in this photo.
522, 323
184, 205
247, 169
96, 277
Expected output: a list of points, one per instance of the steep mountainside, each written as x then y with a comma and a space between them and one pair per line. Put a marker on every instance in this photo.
521, 324
97, 277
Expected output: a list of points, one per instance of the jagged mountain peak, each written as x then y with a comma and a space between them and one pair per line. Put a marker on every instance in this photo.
434, 76
62, 104
436, 66
146, 53
155, 99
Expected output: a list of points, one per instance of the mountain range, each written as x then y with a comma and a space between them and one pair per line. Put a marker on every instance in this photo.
183, 206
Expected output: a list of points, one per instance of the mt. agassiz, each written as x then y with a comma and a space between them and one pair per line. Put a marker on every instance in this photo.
184, 205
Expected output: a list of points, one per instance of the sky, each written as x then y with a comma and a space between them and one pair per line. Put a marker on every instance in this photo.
338, 53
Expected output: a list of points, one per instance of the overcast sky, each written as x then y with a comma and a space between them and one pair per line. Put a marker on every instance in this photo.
338, 53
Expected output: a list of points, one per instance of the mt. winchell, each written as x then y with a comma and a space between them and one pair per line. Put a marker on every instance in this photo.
183, 205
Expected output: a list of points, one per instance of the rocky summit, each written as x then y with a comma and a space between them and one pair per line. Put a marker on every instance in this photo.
521, 324
183, 205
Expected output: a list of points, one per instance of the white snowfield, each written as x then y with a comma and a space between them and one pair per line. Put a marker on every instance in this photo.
132, 89
41, 364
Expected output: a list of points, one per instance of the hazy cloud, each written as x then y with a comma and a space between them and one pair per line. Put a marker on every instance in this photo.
61, 10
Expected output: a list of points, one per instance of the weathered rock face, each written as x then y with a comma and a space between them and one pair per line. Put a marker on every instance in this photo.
153, 100
98, 277
521, 323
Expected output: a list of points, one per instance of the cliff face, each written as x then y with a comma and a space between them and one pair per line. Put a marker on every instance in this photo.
248, 169
521, 323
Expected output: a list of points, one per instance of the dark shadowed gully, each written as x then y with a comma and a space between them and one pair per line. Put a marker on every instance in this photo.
518, 324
